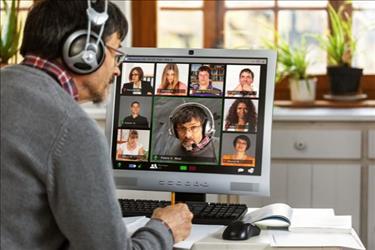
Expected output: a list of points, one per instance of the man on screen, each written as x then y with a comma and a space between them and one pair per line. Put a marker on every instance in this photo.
204, 86
193, 125
135, 120
245, 87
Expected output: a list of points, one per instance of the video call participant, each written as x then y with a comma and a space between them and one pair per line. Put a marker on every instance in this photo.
57, 186
136, 86
135, 120
245, 87
193, 125
241, 144
170, 84
204, 86
241, 116
131, 149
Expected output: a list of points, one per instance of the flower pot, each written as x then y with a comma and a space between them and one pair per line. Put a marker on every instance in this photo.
344, 80
302, 90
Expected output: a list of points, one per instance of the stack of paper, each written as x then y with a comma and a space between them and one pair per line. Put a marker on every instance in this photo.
320, 221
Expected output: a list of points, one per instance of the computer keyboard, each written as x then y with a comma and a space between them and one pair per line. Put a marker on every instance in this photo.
204, 213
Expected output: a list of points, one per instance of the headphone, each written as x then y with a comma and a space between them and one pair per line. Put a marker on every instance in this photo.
208, 124
84, 51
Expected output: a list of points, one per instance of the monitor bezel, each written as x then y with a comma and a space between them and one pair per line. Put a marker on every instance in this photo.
202, 182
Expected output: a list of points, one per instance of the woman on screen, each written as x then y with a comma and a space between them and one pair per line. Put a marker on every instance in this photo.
241, 116
136, 86
170, 84
241, 144
131, 149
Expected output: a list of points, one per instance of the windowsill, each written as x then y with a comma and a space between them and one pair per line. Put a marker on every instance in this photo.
326, 104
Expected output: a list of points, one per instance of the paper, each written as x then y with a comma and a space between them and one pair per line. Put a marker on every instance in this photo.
282, 238
198, 232
133, 223
326, 224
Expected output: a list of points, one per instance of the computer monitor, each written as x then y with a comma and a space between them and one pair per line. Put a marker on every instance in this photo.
195, 121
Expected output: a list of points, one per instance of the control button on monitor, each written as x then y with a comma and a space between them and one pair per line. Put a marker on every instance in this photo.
178, 183
188, 183
196, 184
161, 182
170, 183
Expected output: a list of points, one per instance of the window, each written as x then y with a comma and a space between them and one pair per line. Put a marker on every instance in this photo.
243, 24
363, 27
22, 9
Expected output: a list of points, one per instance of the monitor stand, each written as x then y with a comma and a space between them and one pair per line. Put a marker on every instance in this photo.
183, 197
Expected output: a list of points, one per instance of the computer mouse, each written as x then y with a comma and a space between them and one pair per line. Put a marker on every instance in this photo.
239, 230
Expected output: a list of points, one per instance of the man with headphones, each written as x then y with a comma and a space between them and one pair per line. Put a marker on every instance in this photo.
57, 188
192, 124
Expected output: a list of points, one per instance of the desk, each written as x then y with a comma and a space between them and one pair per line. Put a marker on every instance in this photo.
281, 237
264, 241
208, 237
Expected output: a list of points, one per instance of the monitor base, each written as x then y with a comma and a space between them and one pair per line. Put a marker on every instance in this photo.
183, 197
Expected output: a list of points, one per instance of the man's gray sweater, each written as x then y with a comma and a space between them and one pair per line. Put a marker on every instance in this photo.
57, 188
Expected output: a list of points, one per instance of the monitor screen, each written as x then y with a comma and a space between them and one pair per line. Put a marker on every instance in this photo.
193, 120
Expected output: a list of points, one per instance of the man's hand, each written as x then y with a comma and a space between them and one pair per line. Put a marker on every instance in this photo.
178, 218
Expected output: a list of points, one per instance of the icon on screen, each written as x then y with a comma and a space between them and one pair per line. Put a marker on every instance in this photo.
132, 165
183, 168
240, 170
250, 170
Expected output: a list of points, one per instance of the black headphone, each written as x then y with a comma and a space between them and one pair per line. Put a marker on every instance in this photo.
208, 125
83, 51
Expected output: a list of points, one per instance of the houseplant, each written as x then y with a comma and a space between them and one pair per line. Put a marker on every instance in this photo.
340, 45
292, 63
10, 31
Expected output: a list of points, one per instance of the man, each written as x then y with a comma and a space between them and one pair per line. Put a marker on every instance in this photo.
135, 120
57, 188
194, 131
204, 86
245, 87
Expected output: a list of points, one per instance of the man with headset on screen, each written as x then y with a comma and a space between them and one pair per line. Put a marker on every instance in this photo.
57, 188
193, 125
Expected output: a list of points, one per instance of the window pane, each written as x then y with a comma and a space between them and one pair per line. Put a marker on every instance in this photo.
23, 3
302, 3
295, 24
364, 4
362, 21
180, 29
181, 4
248, 4
247, 29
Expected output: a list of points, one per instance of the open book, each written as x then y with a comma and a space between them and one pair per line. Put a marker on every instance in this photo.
311, 220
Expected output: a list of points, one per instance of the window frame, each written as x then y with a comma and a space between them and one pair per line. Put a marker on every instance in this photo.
144, 13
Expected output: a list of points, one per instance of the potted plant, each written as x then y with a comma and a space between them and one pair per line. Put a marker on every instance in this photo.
292, 63
10, 31
340, 45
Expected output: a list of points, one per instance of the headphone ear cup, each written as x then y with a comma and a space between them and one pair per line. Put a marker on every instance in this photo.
79, 59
